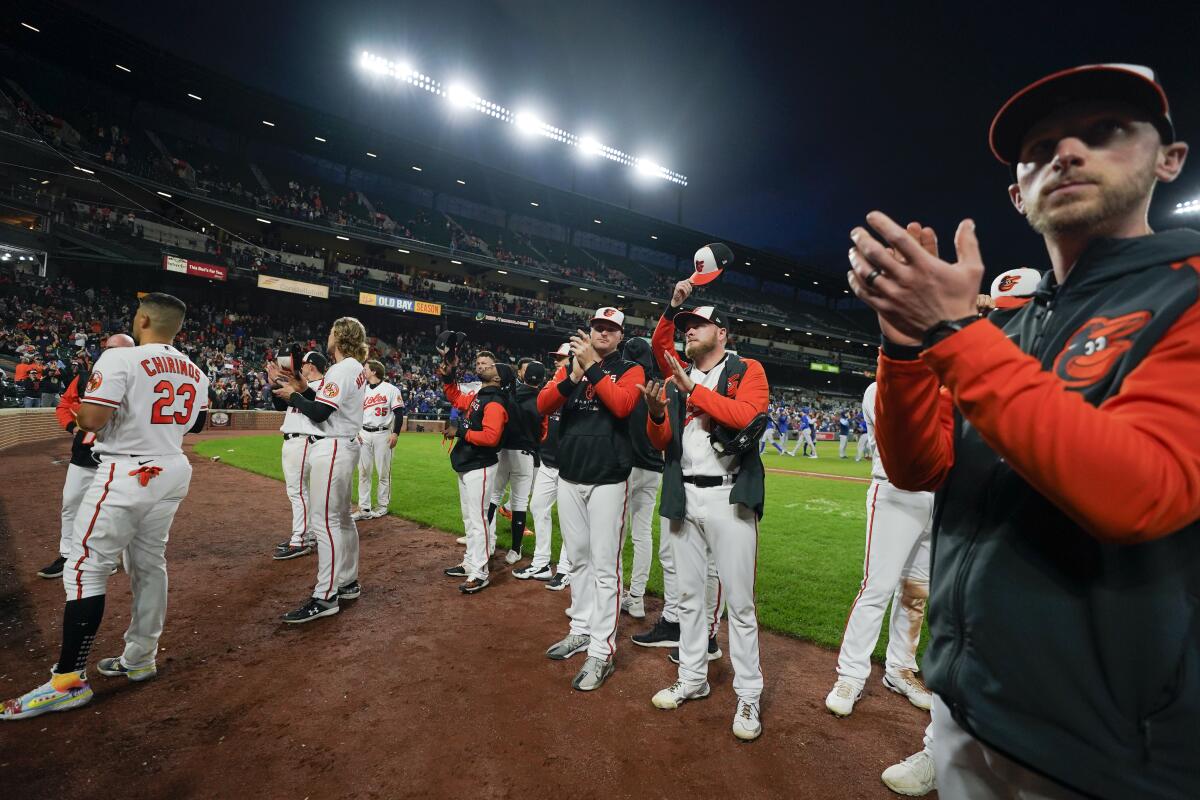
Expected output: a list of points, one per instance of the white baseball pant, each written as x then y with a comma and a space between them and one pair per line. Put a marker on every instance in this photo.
730, 531
515, 471
118, 514
865, 447
805, 441
374, 453
593, 526
334, 460
843, 439
296, 470
474, 492
967, 769
714, 601
896, 569
541, 501
76, 485
643, 491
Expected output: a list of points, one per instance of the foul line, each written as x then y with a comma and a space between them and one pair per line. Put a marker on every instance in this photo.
850, 478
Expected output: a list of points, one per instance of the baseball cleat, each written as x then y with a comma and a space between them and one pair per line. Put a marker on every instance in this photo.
542, 573
634, 606
593, 674
714, 652
457, 571
842, 697
574, 643
313, 609
512, 557
350, 591
747, 724
664, 634
909, 684
114, 668
290, 552
359, 516
54, 569
61, 692
674, 695
914, 776
377, 513
560, 581
461, 540
474, 585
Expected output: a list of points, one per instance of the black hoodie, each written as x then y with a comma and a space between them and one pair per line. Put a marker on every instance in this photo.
645, 456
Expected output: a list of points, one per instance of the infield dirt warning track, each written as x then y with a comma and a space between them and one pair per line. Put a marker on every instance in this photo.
412, 691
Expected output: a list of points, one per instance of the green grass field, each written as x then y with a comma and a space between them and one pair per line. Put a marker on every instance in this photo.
811, 536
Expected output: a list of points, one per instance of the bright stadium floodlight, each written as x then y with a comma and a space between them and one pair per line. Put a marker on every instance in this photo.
462, 96
1188, 207
647, 167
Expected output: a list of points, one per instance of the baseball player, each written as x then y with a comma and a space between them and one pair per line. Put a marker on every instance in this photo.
597, 392
474, 457
643, 488
806, 440
139, 401
864, 444
337, 411
712, 499
82, 468
297, 431
543, 498
1012, 290
518, 454
774, 432
896, 570
843, 433
383, 414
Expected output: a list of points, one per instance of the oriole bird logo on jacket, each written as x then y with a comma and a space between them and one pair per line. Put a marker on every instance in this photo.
1094, 349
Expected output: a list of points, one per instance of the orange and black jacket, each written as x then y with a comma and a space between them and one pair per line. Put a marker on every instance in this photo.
68, 406
484, 418
1065, 449
593, 431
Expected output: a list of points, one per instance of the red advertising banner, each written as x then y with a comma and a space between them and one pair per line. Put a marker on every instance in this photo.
197, 269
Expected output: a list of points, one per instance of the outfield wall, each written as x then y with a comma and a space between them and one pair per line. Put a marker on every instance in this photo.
24, 425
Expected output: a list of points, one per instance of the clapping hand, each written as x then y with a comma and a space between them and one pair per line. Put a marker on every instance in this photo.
581, 348
679, 374
656, 401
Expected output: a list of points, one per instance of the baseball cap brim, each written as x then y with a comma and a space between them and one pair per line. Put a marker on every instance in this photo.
684, 317
1127, 82
609, 320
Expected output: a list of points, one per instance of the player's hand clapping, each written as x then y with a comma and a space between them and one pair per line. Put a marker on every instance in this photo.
679, 374
909, 287
581, 348
656, 400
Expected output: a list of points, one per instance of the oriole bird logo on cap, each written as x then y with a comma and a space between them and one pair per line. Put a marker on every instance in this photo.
1009, 282
1094, 349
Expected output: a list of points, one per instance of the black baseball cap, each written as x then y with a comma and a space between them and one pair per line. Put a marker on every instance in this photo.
316, 359
703, 314
1132, 83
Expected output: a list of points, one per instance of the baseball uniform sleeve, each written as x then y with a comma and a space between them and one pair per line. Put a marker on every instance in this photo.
494, 420
1142, 443
659, 433
337, 380
662, 343
109, 379
620, 396
750, 398
68, 404
551, 398
456, 396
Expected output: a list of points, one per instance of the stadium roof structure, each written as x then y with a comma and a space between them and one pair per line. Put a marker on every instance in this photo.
132, 65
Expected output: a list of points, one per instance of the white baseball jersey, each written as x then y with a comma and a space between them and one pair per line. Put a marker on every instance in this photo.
698, 457
868, 405
380, 402
295, 422
157, 392
344, 387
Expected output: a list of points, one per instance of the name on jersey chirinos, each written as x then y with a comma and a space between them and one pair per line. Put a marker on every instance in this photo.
160, 364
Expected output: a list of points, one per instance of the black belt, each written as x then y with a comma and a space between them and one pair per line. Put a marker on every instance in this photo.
375, 430
311, 437
708, 481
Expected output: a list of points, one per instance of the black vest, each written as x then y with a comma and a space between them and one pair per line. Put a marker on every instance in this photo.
747, 487
1105, 638
593, 444
465, 456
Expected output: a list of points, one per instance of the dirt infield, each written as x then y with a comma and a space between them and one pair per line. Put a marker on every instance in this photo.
412, 691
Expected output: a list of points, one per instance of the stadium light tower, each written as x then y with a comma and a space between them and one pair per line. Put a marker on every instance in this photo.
462, 96
1188, 207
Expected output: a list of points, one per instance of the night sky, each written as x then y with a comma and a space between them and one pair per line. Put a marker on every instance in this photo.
790, 122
